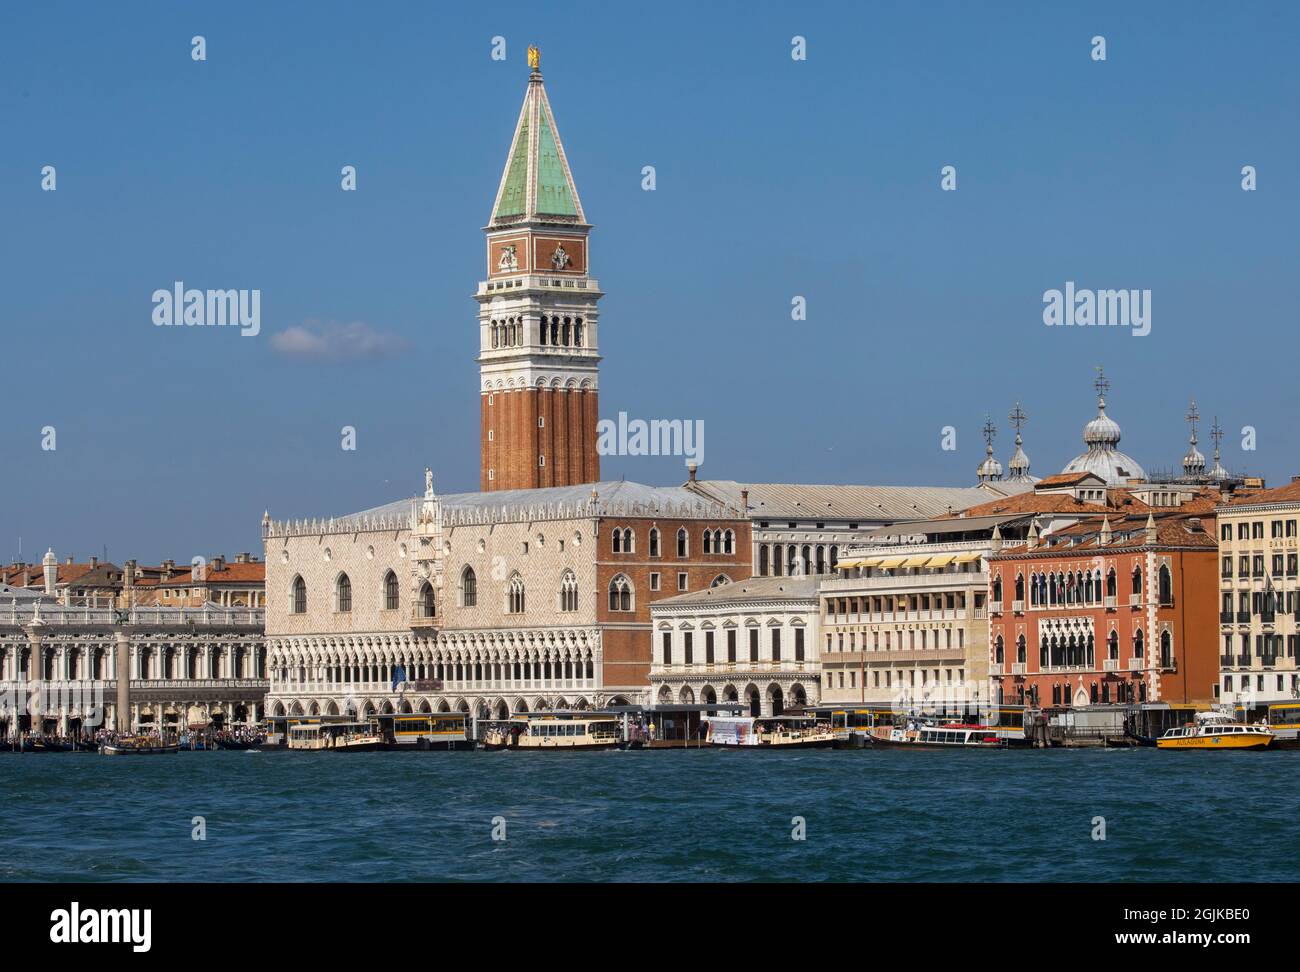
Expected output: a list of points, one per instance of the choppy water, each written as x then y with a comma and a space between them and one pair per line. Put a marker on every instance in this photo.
652, 816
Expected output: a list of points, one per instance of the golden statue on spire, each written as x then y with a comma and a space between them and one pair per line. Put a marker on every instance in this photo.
534, 58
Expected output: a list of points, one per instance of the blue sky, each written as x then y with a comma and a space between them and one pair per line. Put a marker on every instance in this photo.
776, 178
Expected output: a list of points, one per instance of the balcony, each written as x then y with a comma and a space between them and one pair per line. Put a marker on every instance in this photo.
995, 607
1109, 602
1225, 617
1135, 600
1243, 661
1018, 607
424, 621
1018, 668
1243, 617
1136, 664
1110, 664
1225, 661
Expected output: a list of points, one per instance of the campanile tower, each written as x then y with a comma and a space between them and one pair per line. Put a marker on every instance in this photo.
537, 316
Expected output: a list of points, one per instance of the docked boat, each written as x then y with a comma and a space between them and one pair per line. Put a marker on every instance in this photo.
927, 736
406, 732
556, 731
784, 732
1214, 731
138, 746
335, 737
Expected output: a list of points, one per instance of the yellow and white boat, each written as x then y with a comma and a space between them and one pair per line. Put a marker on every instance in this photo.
1213, 731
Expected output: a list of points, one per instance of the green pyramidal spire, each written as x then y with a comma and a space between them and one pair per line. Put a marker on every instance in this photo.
537, 184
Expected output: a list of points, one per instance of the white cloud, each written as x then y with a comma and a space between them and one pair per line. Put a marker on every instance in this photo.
332, 341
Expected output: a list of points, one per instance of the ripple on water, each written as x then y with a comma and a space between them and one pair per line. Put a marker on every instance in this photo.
696, 815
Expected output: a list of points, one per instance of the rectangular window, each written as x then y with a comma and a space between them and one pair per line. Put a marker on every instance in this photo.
681, 581
776, 644
708, 647
731, 645
654, 581
798, 644
668, 647
689, 648
753, 644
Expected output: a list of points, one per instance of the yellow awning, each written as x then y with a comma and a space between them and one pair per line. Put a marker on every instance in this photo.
943, 560
872, 562
850, 563
966, 558
889, 563
917, 561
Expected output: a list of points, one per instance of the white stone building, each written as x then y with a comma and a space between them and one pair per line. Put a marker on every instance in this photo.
752, 641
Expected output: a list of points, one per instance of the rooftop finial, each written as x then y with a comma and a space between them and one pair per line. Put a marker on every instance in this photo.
1019, 465
990, 469
1193, 462
534, 58
1193, 416
1102, 385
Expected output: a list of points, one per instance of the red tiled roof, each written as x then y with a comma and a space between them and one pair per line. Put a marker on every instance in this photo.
1290, 493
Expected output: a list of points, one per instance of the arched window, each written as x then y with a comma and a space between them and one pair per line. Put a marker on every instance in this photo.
1166, 649
1137, 580
998, 650
616, 541
568, 592
298, 596
720, 580
391, 592
1020, 649
683, 545
1139, 649
515, 594
577, 332
708, 541
343, 594
654, 541
468, 587
1112, 645
997, 589
728, 541
1166, 585
426, 600
620, 594
1111, 586
1020, 588
629, 544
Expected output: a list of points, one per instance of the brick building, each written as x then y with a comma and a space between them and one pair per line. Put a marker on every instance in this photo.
538, 320
1115, 608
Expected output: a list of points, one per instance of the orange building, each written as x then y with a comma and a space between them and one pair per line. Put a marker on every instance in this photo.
1108, 610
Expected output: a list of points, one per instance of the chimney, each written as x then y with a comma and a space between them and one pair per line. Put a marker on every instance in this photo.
218, 562
68, 560
128, 574
241, 558
94, 562
744, 502
692, 468
51, 565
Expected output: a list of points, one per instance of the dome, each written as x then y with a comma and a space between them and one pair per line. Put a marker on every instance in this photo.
1102, 458
1102, 429
989, 469
1193, 462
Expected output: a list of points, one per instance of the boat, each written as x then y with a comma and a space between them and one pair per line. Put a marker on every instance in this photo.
556, 731
335, 737
1214, 731
406, 732
784, 732
922, 735
138, 746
